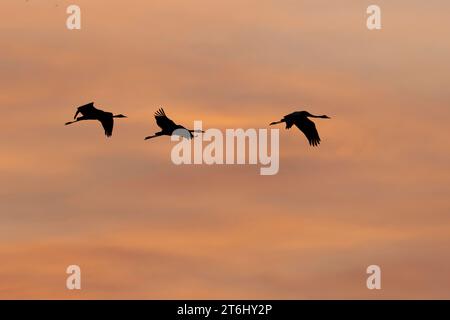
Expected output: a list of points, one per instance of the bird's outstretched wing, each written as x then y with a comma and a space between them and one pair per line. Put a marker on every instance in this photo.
107, 122
86, 109
163, 121
309, 129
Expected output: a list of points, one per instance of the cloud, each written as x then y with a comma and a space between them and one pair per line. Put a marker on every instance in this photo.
375, 192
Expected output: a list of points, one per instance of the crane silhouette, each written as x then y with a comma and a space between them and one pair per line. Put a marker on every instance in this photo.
301, 121
89, 112
168, 127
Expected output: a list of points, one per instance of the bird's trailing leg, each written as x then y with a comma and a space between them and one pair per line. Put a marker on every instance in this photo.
153, 136
70, 122
76, 120
195, 131
276, 122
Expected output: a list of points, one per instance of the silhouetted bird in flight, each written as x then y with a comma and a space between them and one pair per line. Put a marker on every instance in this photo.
89, 112
301, 121
169, 127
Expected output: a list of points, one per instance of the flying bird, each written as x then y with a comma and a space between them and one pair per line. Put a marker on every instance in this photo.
168, 127
301, 121
89, 112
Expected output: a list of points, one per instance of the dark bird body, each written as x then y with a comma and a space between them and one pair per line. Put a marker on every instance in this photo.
168, 127
301, 121
89, 112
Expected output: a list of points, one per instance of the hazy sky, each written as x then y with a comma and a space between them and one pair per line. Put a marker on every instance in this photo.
375, 192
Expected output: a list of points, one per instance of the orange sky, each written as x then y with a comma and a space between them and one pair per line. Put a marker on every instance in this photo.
375, 192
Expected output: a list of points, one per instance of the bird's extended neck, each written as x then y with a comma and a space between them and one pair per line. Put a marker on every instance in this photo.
322, 116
